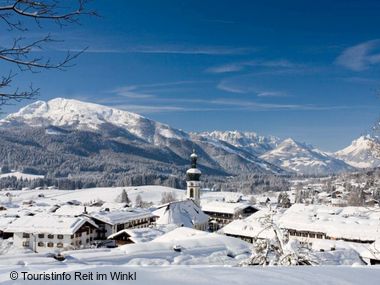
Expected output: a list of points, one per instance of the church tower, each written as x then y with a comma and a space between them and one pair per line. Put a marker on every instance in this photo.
193, 175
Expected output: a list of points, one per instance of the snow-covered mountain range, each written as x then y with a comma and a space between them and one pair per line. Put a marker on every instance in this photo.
75, 132
301, 158
71, 127
363, 152
249, 141
70, 113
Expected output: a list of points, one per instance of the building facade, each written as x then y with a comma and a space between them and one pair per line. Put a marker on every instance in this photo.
52, 233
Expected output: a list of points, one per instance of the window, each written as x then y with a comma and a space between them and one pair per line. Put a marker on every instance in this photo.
191, 193
41, 244
25, 244
60, 236
25, 235
50, 236
41, 235
59, 245
50, 244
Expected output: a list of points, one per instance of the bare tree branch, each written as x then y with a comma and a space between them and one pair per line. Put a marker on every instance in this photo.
43, 10
27, 55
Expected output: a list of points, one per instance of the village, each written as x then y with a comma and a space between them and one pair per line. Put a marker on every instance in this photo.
162, 225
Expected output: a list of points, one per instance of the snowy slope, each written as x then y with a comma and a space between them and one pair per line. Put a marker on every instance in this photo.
201, 275
249, 141
88, 116
360, 153
93, 129
20, 175
303, 159
107, 194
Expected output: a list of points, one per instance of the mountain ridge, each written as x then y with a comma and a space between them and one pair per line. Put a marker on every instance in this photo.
63, 125
305, 159
228, 152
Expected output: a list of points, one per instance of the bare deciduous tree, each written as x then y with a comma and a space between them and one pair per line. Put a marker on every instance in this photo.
15, 16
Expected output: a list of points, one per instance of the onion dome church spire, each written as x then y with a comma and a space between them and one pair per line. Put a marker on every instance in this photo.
193, 175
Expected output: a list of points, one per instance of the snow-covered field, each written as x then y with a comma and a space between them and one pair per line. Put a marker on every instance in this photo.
204, 258
107, 194
205, 275
20, 175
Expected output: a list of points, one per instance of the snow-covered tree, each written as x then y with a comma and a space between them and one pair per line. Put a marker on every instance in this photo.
138, 201
283, 200
278, 250
123, 197
167, 197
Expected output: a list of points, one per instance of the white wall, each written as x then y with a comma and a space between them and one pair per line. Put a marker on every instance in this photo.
67, 241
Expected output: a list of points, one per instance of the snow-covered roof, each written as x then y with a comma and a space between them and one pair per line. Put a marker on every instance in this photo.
354, 223
180, 233
193, 171
224, 207
5, 221
121, 216
48, 224
74, 210
200, 244
145, 234
114, 205
182, 213
253, 226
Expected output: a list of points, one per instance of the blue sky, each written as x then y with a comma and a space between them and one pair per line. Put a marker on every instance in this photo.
302, 69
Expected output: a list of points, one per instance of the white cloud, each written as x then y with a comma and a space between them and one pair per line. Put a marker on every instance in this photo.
360, 57
234, 86
271, 94
168, 49
225, 68
228, 87
131, 92
238, 66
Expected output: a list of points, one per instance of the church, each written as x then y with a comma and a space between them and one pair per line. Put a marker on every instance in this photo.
193, 176
186, 213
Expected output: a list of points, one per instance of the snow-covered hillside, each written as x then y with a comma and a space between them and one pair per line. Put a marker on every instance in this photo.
107, 194
301, 158
20, 175
361, 153
67, 127
88, 116
249, 141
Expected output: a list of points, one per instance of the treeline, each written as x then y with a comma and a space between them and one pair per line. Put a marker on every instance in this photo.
246, 184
